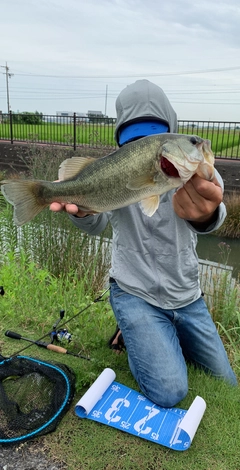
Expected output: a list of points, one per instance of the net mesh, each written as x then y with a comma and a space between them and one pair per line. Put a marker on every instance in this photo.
34, 396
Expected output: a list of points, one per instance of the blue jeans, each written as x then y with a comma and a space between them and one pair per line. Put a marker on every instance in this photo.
159, 342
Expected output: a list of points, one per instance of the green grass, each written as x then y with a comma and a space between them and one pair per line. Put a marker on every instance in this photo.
223, 141
89, 134
215, 445
30, 306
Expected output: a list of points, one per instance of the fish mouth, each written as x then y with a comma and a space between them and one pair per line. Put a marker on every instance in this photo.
168, 168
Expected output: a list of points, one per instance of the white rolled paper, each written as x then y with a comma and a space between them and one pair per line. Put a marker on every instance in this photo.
193, 417
95, 392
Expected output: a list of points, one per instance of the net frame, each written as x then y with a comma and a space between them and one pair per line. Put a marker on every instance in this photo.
60, 379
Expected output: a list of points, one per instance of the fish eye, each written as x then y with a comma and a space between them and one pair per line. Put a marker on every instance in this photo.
193, 140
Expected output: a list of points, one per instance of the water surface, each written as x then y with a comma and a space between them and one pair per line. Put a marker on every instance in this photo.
221, 250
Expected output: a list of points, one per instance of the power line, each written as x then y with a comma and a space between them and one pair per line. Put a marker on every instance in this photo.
232, 103
76, 98
162, 74
88, 93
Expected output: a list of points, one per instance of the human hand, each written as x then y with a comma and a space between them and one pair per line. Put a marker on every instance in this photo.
198, 199
71, 209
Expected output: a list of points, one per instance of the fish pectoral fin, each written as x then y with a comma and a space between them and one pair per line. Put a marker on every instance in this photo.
150, 205
72, 166
140, 182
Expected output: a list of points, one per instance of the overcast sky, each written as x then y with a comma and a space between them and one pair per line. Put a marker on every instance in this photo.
77, 55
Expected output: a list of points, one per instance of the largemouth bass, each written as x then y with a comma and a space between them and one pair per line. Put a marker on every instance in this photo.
137, 172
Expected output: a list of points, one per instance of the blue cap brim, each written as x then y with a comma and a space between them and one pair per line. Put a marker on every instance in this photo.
141, 129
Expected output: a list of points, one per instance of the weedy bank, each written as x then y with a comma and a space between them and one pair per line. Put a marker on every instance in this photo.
231, 226
48, 265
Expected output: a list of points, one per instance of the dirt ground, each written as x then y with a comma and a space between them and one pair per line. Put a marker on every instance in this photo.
230, 173
27, 456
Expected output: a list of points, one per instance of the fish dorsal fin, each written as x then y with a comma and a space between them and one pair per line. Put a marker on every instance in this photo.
140, 182
150, 205
72, 166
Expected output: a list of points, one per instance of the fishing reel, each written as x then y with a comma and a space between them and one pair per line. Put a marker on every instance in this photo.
61, 335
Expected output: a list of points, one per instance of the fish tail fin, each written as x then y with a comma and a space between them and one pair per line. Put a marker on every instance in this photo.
24, 195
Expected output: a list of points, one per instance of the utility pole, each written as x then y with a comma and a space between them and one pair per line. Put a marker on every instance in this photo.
8, 75
106, 95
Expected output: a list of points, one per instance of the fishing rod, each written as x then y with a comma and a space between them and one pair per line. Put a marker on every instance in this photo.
98, 299
41, 344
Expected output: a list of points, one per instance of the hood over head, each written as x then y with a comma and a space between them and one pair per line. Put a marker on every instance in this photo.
143, 101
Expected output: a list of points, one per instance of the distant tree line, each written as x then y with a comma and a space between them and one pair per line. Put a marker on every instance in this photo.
27, 118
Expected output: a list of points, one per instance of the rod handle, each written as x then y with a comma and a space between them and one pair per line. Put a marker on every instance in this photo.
12, 334
58, 349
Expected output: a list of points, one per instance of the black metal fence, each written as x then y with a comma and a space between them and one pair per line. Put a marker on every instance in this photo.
96, 132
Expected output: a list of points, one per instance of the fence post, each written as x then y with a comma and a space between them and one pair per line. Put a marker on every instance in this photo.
74, 131
11, 128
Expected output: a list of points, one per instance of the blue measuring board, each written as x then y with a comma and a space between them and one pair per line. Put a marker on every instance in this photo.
125, 409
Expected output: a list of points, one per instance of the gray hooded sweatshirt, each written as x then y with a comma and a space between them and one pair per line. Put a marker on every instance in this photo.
152, 257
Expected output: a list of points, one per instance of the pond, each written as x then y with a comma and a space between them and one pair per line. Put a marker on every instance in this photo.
221, 250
